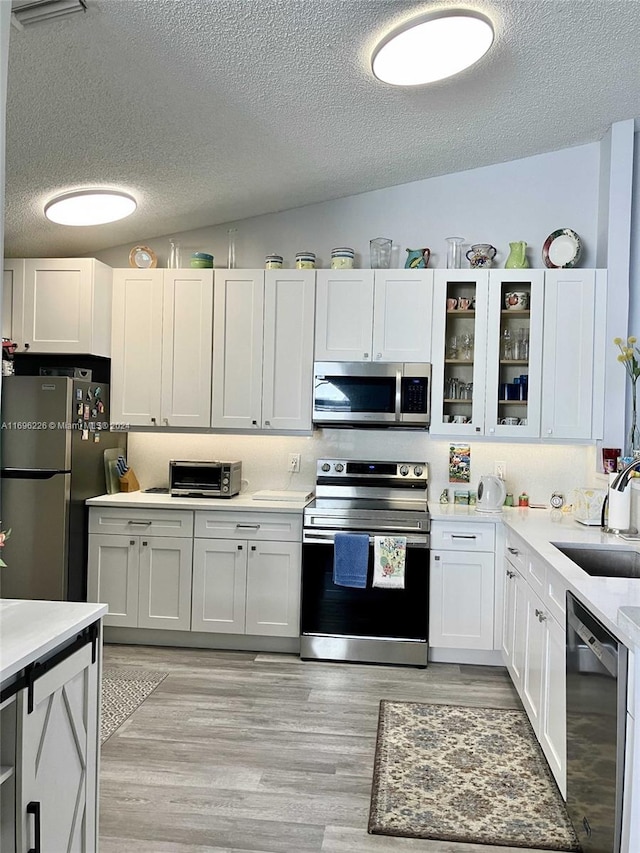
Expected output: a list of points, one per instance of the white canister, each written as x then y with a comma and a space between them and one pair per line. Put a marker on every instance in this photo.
305, 261
342, 258
273, 262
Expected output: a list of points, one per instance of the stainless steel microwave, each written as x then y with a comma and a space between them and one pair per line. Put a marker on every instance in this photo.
204, 479
356, 394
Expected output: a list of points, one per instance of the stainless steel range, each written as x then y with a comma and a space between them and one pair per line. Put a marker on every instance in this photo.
373, 625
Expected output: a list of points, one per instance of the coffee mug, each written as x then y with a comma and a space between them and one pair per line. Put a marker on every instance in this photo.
509, 421
446, 419
452, 303
464, 304
516, 300
522, 422
459, 419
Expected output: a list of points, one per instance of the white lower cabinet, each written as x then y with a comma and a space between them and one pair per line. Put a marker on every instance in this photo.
57, 756
249, 585
462, 585
534, 650
145, 578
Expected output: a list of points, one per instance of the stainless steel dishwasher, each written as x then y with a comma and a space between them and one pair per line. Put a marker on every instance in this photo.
596, 729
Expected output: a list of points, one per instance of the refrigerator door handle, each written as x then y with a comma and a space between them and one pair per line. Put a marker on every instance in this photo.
32, 473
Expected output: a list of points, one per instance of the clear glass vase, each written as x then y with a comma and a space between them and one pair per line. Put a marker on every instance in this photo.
454, 252
231, 257
634, 430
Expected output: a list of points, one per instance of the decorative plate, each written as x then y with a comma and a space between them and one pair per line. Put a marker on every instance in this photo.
561, 249
143, 258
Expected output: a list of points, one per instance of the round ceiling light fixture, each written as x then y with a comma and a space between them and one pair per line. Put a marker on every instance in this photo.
432, 47
89, 207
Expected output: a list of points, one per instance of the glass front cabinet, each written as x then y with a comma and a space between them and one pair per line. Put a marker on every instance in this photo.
487, 352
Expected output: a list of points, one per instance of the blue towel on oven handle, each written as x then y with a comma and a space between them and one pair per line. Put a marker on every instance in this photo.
351, 559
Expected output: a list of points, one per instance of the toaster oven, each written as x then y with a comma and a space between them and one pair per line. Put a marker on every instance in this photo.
204, 479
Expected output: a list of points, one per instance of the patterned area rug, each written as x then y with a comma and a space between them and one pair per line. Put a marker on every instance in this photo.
474, 775
123, 690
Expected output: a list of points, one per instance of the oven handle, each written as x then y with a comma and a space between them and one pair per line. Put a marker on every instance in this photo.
328, 539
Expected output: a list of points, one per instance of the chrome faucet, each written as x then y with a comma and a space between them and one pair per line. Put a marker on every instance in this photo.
620, 481
619, 484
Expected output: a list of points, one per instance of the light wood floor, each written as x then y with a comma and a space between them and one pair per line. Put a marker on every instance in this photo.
237, 751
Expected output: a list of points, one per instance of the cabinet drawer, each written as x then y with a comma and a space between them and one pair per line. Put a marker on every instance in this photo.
517, 553
275, 526
153, 522
463, 536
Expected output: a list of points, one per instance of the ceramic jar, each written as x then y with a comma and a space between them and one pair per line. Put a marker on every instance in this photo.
273, 262
417, 259
305, 261
342, 258
481, 255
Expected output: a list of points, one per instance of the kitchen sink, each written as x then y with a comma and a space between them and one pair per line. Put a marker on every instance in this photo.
609, 561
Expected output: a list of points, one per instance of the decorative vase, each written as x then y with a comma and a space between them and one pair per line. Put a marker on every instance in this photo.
454, 252
517, 259
481, 255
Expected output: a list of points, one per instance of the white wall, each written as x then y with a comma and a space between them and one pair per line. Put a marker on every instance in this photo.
521, 200
264, 458
5, 26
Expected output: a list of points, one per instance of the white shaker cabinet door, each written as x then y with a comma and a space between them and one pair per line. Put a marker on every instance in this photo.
344, 315
553, 733
461, 600
13, 300
136, 363
402, 310
187, 348
287, 371
273, 589
113, 577
67, 305
568, 353
219, 585
58, 746
237, 349
164, 590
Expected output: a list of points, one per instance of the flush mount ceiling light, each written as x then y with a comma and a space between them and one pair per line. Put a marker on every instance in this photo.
432, 47
89, 207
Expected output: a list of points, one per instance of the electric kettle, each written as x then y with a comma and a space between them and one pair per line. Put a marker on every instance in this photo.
491, 494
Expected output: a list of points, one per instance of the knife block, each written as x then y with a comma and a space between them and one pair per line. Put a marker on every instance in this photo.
129, 482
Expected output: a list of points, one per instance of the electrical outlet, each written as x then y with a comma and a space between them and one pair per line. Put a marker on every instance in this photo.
294, 463
500, 470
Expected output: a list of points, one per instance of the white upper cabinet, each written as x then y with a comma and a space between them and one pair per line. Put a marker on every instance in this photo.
263, 349
568, 362
459, 352
367, 315
514, 353
67, 306
161, 364
13, 300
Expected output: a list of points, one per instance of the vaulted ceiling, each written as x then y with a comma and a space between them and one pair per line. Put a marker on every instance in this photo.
211, 111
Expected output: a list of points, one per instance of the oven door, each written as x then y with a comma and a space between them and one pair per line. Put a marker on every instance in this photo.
364, 625
195, 479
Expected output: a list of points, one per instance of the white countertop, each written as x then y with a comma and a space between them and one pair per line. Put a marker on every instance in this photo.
143, 500
31, 629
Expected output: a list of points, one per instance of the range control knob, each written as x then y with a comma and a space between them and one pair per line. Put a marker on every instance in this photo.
339, 467
404, 470
326, 467
418, 470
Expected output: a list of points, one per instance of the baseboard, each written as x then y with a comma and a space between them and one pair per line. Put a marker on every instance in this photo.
201, 640
480, 657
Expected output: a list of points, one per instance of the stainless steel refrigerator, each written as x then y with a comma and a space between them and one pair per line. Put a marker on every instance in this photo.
52, 447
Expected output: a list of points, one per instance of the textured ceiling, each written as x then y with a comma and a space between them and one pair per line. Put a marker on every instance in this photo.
210, 111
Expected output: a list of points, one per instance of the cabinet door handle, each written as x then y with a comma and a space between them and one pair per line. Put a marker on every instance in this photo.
248, 526
153, 421
34, 808
254, 423
513, 551
253, 547
132, 541
510, 574
378, 355
239, 547
166, 421
140, 523
365, 355
436, 557
463, 536
542, 616
267, 423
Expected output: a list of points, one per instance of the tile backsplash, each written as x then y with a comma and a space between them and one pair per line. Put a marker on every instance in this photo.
538, 469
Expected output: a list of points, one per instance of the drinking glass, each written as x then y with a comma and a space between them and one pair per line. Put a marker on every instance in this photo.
174, 255
506, 346
466, 346
380, 253
452, 347
453, 386
454, 252
231, 234
521, 345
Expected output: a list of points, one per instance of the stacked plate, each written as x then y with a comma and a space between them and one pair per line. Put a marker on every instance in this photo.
201, 261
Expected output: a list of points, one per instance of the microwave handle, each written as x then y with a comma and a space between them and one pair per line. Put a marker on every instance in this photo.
398, 395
